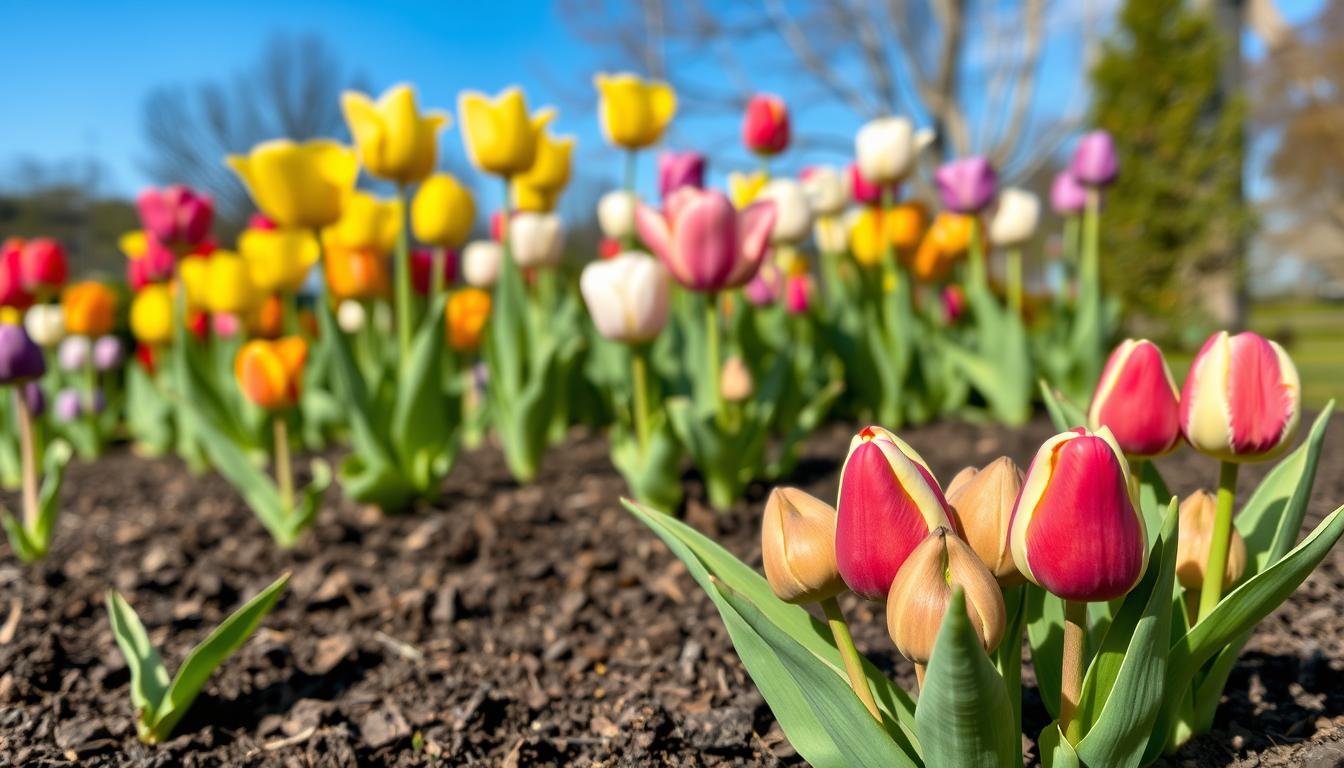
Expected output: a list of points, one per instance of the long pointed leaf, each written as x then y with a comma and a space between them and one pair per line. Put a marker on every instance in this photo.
149, 678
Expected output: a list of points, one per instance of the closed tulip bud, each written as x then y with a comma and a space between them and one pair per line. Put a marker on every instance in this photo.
765, 127
278, 260
176, 215
680, 169
45, 324
627, 296
43, 266
90, 308
634, 112
1242, 398
798, 292
616, 214
481, 262
225, 325
73, 354
704, 241
395, 141
69, 406
1015, 218
1137, 400
793, 214
536, 239
298, 184
983, 502
798, 547
886, 149
108, 353
1067, 196
466, 314
745, 188
922, 591
422, 269
270, 372
1094, 161
12, 292
351, 316
861, 189
825, 188
888, 503
500, 135
1197, 514
966, 185
1076, 531
34, 398
355, 273
735, 382
152, 315
442, 211
20, 359
953, 299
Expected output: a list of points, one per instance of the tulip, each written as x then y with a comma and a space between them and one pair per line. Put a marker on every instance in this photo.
499, 134
536, 239
90, 308
355, 274
945, 241
1197, 517
45, 324
1015, 218
966, 185
1137, 400
367, 223
765, 287
20, 359
1067, 196
394, 140
680, 169
34, 398
634, 112
12, 291
627, 297
922, 591
616, 214
481, 261
798, 547
765, 126
886, 149
175, 215
69, 405
793, 213
152, 315
108, 353
269, 373
1242, 398
225, 325
221, 283
888, 503
442, 211
825, 188
422, 269
298, 184
351, 316
798, 293
983, 502
42, 266
148, 260
954, 303
873, 229
73, 354
861, 190
704, 242
745, 188
735, 382
465, 315
1094, 162
831, 235
537, 188
267, 318
278, 260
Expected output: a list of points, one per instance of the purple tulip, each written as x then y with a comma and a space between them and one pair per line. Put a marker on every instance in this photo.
1094, 161
108, 353
1067, 196
966, 185
20, 359
680, 169
68, 405
34, 398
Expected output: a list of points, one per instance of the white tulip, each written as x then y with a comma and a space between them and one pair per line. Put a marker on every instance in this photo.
831, 234
536, 239
616, 214
886, 149
1016, 217
627, 296
350, 316
480, 263
793, 214
45, 324
826, 190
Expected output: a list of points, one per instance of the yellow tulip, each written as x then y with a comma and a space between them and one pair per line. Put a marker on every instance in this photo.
152, 314
298, 185
394, 140
194, 272
278, 260
366, 224
538, 188
133, 244
634, 112
499, 134
526, 198
228, 285
744, 188
270, 373
443, 211
355, 273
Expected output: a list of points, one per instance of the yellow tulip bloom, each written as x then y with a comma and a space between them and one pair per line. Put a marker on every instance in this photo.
133, 244
499, 134
527, 198
278, 260
298, 185
538, 188
270, 373
634, 112
227, 284
366, 224
394, 140
744, 188
464, 318
152, 314
442, 211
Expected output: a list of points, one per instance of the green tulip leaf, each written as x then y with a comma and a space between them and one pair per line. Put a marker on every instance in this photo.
424, 422
1055, 750
1064, 413
366, 439
149, 678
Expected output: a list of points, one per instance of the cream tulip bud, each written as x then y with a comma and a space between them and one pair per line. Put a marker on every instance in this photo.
536, 239
351, 316
735, 382
886, 149
1192, 549
983, 502
825, 188
831, 234
793, 213
798, 547
480, 263
616, 214
922, 592
627, 296
45, 324
1015, 218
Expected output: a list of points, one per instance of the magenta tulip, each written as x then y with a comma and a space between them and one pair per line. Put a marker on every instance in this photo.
680, 169
1242, 398
706, 243
798, 291
1067, 196
1137, 400
863, 191
176, 215
1094, 161
966, 185
765, 128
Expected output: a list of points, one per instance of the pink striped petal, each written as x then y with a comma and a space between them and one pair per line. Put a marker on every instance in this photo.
1261, 406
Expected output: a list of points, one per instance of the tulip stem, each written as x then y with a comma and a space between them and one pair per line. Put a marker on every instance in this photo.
1071, 678
977, 278
1216, 565
1015, 281
28, 458
712, 347
850, 655
639, 373
1089, 285
628, 240
403, 278
284, 474
436, 277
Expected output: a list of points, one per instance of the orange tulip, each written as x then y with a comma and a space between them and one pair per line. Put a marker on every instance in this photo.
905, 225
465, 316
267, 319
944, 243
355, 273
269, 372
872, 229
90, 308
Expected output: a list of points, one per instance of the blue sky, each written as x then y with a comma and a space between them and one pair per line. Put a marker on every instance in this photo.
77, 74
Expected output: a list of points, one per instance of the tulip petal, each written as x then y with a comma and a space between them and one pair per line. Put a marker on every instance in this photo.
1260, 406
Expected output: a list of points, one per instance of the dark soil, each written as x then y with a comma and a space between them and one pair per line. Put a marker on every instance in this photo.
505, 626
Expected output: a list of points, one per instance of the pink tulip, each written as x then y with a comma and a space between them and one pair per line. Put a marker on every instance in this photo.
1242, 399
1067, 196
706, 243
680, 169
889, 502
967, 185
155, 265
1094, 162
763, 289
176, 215
1137, 400
862, 190
954, 303
798, 291
765, 128
1075, 530
12, 292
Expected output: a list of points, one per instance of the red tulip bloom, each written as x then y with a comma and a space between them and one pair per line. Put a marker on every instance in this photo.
765, 128
12, 292
1242, 399
422, 269
43, 266
176, 215
1137, 400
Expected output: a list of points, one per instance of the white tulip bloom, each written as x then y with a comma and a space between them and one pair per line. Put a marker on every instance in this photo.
627, 296
536, 239
480, 263
616, 214
793, 213
1015, 218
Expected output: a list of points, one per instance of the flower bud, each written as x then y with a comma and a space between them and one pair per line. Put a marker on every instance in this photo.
422, 269
43, 266
68, 406
270, 373
1076, 531
983, 502
798, 547
89, 308
922, 591
108, 353
536, 239
1015, 218
1067, 196
1242, 399
152, 314
1094, 162
798, 292
73, 354
825, 188
888, 503
765, 127
793, 213
1136, 399
480, 263
886, 149
465, 316
442, 211
351, 316
735, 383
1192, 549
627, 297
616, 214
680, 169
45, 324
966, 185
